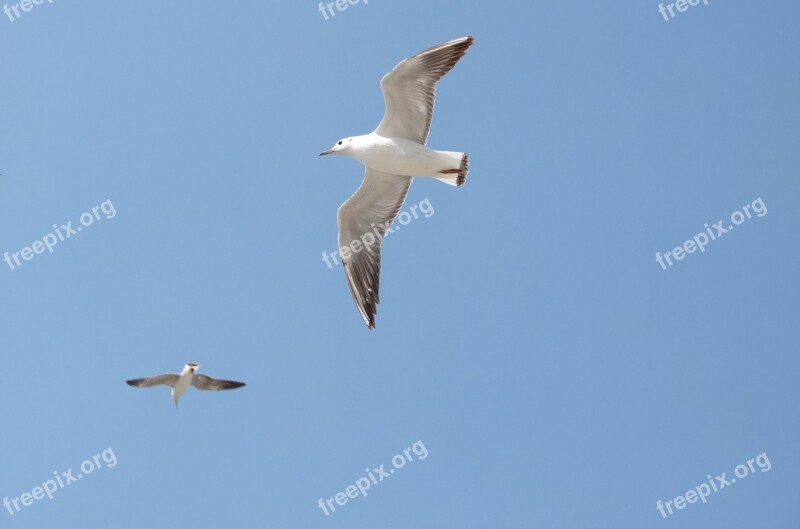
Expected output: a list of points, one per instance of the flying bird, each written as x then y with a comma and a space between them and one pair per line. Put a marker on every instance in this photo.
180, 383
392, 155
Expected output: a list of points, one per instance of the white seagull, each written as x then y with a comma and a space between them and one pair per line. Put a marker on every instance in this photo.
180, 383
393, 154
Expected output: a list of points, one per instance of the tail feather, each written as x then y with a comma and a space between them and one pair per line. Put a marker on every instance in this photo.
457, 177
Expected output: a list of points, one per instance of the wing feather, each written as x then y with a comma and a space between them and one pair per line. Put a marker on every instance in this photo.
365, 217
166, 379
410, 90
214, 384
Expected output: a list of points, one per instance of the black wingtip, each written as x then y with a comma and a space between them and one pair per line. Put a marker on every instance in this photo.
370, 310
466, 42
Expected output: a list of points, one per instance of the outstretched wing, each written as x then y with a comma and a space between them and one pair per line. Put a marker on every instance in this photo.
364, 219
214, 384
410, 90
158, 380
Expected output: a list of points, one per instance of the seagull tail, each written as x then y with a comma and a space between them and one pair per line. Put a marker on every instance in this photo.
455, 177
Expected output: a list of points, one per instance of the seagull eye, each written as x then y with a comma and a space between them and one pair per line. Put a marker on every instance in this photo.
340, 142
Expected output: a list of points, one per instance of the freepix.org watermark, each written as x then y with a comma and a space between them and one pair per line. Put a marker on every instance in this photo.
340, 5
701, 240
13, 12
60, 480
373, 236
373, 477
715, 484
681, 5
61, 234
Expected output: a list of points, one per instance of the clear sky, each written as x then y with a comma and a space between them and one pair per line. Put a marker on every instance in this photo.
528, 341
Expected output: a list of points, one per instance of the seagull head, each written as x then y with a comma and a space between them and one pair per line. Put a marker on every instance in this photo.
342, 146
191, 367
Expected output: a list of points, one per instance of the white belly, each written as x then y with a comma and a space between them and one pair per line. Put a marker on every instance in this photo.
403, 157
181, 385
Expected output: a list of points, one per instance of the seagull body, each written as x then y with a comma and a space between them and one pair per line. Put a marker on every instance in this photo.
393, 154
180, 383
404, 158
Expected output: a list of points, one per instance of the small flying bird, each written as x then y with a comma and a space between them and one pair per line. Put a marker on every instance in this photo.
180, 383
393, 154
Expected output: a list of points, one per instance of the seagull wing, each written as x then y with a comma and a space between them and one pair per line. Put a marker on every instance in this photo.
158, 380
214, 384
410, 89
365, 217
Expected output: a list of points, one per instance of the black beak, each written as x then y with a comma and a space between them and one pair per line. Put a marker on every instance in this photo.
323, 153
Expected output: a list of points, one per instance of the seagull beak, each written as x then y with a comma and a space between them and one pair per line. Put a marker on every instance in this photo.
329, 151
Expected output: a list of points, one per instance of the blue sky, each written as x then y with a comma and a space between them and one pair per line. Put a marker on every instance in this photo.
527, 337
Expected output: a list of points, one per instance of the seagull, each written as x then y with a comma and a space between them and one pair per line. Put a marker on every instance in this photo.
180, 383
392, 155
